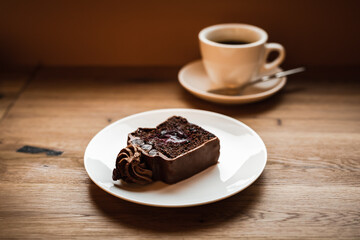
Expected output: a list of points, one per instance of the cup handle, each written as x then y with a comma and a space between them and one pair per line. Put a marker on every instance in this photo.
269, 47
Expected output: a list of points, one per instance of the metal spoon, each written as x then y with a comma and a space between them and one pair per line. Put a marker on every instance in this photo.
238, 90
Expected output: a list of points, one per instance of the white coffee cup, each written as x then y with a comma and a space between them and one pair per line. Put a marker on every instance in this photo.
233, 65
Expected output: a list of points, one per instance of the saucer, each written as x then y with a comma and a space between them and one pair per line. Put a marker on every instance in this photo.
194, 79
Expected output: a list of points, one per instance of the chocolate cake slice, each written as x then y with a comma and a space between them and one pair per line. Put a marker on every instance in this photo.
171, 152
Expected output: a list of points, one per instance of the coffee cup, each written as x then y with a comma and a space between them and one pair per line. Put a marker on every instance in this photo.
234, 54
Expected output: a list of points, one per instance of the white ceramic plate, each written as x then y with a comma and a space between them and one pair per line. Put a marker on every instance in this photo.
193, 78
242, 159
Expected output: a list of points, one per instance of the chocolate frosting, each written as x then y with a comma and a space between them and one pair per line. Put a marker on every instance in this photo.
130, 167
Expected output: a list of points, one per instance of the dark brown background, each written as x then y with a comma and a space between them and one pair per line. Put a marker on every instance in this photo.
164, 32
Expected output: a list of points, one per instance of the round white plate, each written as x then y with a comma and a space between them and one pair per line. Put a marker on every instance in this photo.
242, 159
194, 79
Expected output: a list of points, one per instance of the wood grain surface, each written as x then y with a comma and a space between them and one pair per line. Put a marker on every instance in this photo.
310, 187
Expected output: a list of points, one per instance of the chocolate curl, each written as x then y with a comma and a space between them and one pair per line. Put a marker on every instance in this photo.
130, 167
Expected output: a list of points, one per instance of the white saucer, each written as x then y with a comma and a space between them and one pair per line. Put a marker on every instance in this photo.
242, 159
194, 79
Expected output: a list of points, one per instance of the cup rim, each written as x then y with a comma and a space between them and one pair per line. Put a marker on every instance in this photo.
206, 30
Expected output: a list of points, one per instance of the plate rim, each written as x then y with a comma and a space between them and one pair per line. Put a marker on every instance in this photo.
177, 205
241, 99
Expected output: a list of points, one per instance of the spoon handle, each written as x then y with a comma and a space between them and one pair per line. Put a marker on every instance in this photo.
237, 90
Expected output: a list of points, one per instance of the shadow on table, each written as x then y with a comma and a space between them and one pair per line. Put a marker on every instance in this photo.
242, 110
167, 220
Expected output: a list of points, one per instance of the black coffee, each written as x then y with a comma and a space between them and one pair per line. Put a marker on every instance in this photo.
233, 42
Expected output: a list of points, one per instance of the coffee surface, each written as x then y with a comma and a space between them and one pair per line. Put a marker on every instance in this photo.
233, 42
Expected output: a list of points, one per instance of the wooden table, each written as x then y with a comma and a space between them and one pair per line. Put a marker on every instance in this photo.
310, 187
